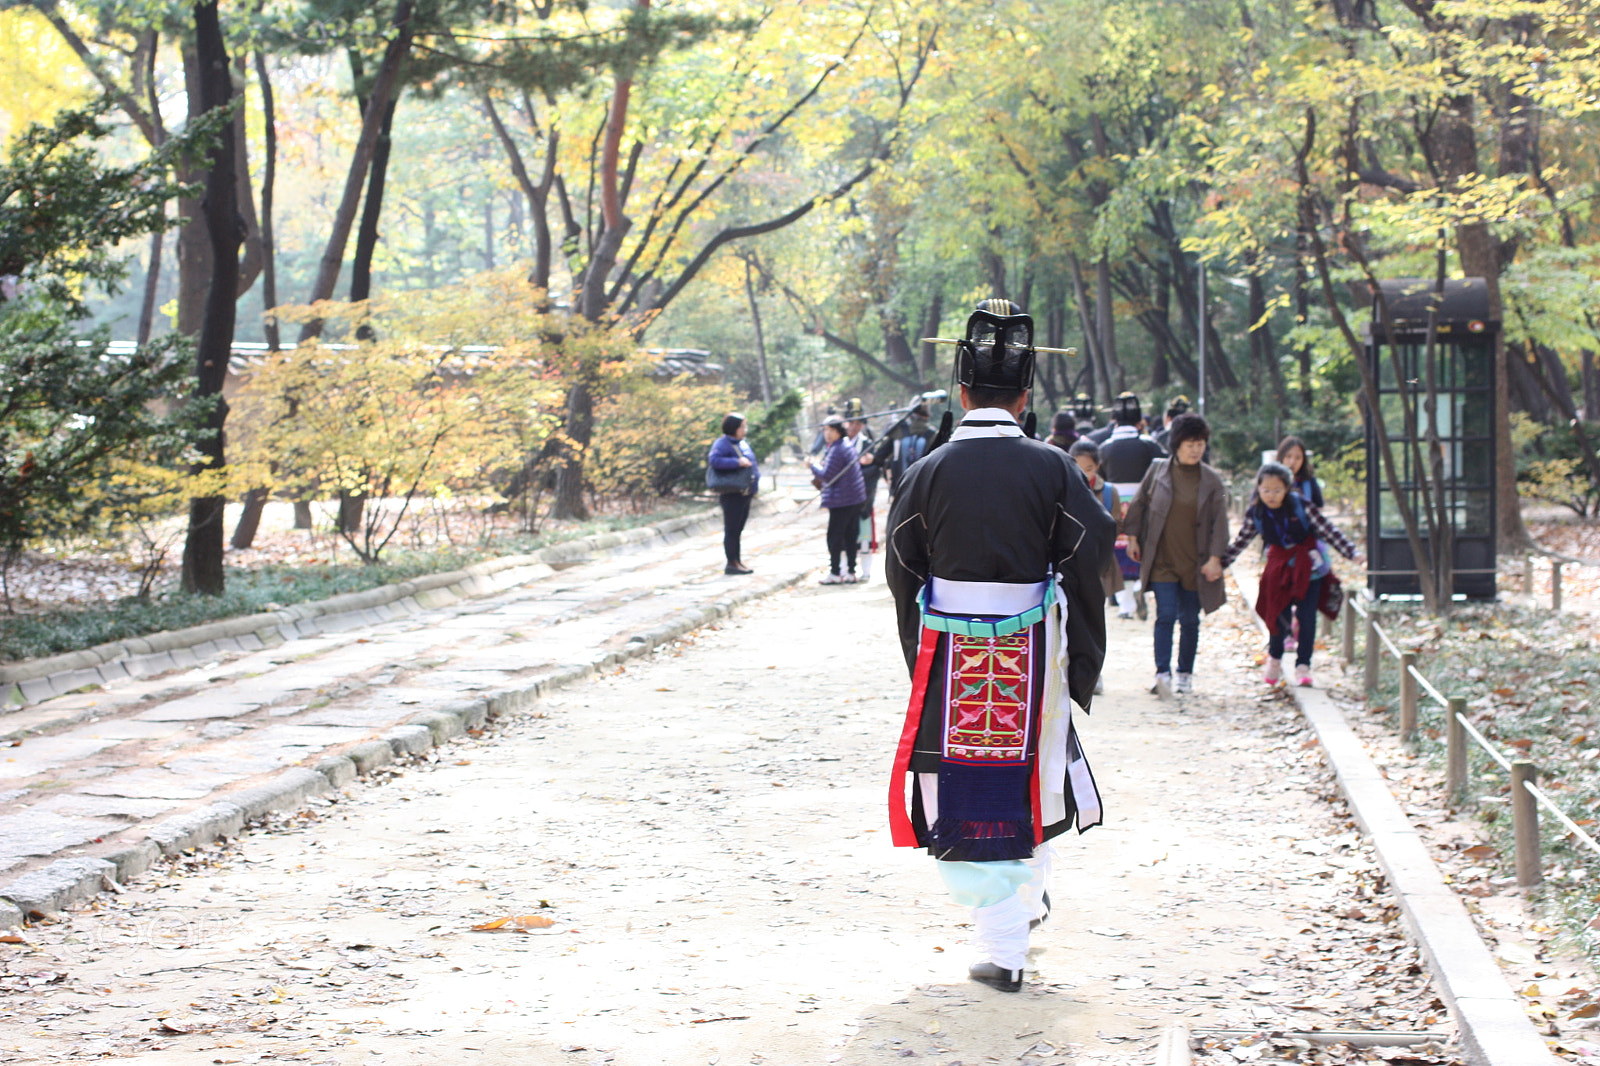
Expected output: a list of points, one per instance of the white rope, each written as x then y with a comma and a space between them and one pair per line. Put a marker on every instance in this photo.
1572, 827
1488, 748
1427, 686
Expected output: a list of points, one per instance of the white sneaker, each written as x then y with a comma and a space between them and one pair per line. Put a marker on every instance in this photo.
831, 579
1163, 686
1184, 684
1099, 686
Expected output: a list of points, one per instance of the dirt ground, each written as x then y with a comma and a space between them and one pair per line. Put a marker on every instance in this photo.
705, 835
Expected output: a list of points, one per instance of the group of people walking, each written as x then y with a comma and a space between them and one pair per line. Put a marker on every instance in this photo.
1002, 553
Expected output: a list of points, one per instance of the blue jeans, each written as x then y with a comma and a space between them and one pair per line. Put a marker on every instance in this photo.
1175, 604
1306, 611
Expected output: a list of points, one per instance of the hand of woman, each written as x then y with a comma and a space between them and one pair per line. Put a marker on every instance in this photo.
1133, 547
1212, 570
743, 461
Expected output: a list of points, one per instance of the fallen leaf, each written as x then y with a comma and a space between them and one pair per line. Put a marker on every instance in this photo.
515, 924
1589, 1010
1480, 851
12, 938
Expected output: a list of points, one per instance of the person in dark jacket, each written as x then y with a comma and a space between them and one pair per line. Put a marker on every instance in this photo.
731, 452
1063, 431
995, 549
1126, 453
838, 475
1298, 579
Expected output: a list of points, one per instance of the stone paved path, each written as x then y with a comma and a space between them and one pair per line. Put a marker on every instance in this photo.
704, 832
145, 750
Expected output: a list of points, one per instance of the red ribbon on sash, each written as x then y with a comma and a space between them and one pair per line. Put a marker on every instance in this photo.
901, 832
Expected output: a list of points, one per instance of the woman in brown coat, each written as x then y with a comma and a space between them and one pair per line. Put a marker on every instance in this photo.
1177, 527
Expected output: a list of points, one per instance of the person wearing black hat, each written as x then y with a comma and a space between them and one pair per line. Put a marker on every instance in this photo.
1083, 413
995, 548
1176, 406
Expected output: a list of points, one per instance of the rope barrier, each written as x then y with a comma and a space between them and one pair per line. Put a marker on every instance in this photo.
1489, 749
1572, 827
1427, 686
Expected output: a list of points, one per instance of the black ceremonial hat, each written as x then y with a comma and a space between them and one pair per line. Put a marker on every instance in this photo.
998, 350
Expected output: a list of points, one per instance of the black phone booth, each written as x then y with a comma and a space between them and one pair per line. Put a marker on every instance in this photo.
1463, 372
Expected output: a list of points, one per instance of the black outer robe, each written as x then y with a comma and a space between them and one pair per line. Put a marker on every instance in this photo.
999, 509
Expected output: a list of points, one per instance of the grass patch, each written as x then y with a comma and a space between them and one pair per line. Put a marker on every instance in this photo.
266, 588
1531, 679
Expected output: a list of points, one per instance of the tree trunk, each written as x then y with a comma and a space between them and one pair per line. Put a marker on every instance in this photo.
930, 328
1091, 341
244, 195
1591, 387
538, 195
1161, 371
569, 501
1302, 307
269, 177
1106, 328
152, 285
371, 212
1455, 145
255, 501
244, 534
994, 267
761, 340
383, 89
1261, 342
202, 550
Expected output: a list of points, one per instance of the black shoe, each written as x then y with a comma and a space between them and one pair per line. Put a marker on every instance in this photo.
987, 973
1045, 917
737, 568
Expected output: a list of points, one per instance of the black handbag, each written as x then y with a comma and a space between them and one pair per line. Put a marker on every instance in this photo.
723, 482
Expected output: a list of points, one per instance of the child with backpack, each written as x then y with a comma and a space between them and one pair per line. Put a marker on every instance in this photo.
1298, 579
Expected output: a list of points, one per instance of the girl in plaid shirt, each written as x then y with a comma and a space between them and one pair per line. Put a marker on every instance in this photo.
1297, 580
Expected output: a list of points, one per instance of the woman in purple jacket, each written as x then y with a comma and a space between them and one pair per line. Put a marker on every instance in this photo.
730, 452
843, 493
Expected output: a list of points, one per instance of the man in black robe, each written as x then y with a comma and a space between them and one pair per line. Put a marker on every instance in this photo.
996, 544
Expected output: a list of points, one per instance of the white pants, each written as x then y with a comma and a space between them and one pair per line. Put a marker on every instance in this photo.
1005, 897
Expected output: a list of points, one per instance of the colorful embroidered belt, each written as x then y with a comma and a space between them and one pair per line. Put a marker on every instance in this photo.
998, 627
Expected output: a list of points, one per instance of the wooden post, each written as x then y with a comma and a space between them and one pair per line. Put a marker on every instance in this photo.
1555, 585
1455, 753
1527, 575
1371, 641
1408, 698
1525, 822
1349, 646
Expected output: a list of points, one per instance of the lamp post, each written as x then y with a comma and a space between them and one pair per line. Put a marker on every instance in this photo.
1202, 339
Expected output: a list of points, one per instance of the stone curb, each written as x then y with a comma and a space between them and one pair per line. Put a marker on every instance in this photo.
33, 680
1495, 1031
67, 881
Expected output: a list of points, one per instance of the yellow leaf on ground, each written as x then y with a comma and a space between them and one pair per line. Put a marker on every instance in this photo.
515, 924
